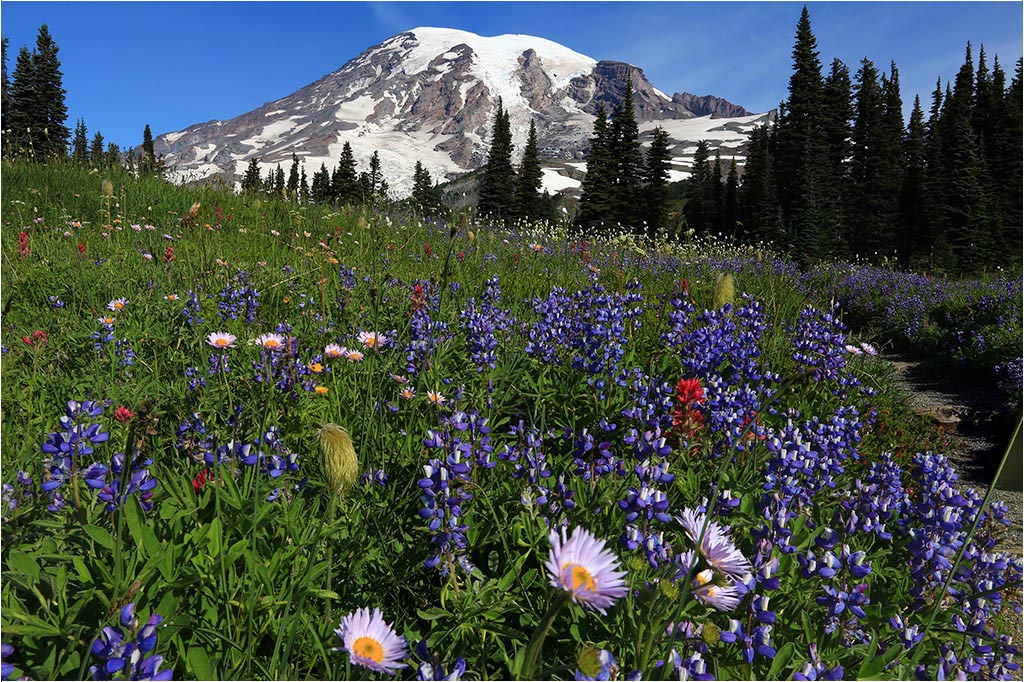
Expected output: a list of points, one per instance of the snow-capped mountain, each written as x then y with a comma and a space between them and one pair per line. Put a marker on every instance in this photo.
429, 94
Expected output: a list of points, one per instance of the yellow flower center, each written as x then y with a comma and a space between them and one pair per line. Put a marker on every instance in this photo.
220, 343
370, 341
271, 343
118, 305
368, 647
580, 577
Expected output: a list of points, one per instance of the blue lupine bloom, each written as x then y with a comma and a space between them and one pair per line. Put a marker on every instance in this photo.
431, 669
122, 653
73, 440
6, 668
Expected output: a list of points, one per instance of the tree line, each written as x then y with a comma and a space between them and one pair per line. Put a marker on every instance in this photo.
34, 115
343, 185
839, 175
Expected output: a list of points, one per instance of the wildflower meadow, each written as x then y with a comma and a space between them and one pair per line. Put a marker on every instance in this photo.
244, 439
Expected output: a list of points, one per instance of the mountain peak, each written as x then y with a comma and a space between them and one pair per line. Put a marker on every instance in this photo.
429, 95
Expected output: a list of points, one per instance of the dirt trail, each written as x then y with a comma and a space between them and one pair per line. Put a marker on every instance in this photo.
978, 440
978, 443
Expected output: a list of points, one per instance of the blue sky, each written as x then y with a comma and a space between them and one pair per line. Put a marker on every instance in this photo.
170, 65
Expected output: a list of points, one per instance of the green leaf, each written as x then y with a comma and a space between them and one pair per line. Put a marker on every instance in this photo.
215, 537
199, 662
83, 571
100, 536
24, 564
433, 613
132, 516
782, 657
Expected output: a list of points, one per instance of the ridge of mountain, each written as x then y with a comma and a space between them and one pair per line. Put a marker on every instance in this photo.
429, 94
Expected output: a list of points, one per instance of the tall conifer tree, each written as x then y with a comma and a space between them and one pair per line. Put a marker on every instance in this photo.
528, 181
497, 187
26, 116
655, 185
595, 208
628, 160
97, 156
49, 95
760, 212
801, 147
80, 144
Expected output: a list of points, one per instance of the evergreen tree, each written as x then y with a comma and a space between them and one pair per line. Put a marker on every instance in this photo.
49, 96
148, 162
596, 199
344, 178
655, 183
696, 209
759, 209
1007, 165
267, 186
497, 187
279, 184
376, 176
320, 190
801, 146
365, 187
251, 181
837, 114
96, 155
969, 232
935, 178
113, 155
26, 114
293, 178
528, 181
303, 187
730, 201
426, 196
713, 193
420, 186
890, 175
5, 87
80, 144
913, 196
626, 184
867, 165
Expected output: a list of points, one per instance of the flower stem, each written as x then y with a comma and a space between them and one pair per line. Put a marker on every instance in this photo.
537, 642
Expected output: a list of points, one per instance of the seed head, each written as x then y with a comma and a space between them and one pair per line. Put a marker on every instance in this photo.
341, 466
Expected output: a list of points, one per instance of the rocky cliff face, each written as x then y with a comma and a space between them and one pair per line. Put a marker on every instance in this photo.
429, 94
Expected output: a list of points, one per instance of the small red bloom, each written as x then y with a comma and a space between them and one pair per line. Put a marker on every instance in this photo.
684, 284
418, 297
515, 258
427, 250
123, 414
689, 391
38, 338
202, 479
686, 418
81, 250
460, 255
23, 248
169, 254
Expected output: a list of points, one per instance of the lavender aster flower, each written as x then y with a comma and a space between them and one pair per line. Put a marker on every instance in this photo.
716, 546
584, 568
371, 642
